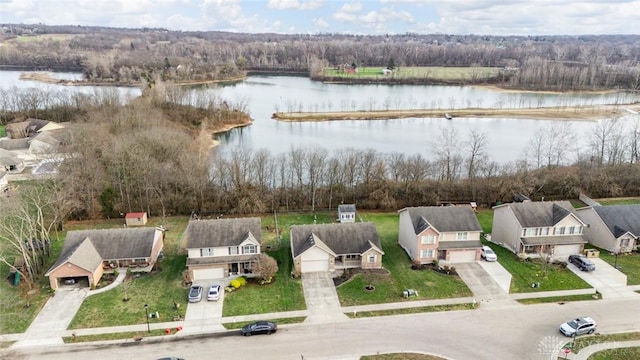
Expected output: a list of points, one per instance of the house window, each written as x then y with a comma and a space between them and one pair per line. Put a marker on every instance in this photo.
205, 252
426, 253
530, 232
351, 257
427, 239
558, 230
372, 258
544, 231
624, 243
250, 249
233, 250
463, 235
577, 229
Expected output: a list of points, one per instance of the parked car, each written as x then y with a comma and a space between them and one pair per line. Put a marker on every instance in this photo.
488, 254
578, 326
260, 327
69, 281
195, 293
582, 262
214, 293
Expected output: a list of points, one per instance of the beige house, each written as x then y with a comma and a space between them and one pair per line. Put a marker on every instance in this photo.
615, 228
87, 254
550, 229
221, 248
448, 234
136, 219
331, 247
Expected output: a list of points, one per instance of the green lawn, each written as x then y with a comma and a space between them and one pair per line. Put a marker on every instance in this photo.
412, 310
2, 131
559, 299
239, 325
389, 288
431, 72
402, 356
583, 342
158, 289
525, 273
617, 354
619, 201
485, 218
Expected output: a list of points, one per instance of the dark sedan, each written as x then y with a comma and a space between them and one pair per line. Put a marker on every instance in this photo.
260, 327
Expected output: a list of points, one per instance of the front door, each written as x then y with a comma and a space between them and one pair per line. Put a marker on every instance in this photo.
234, 268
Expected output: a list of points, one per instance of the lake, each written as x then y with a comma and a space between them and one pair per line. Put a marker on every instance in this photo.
265, 95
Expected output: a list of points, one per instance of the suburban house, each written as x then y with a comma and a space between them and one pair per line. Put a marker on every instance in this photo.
48, 142
331, 247
30, 128
136, 219
87, 254
10, 162
615, 228
448, 234
533, 229
223, 247
347, 213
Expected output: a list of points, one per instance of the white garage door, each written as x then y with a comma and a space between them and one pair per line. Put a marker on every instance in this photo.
462, 256
314, 265
217, 273
566, 250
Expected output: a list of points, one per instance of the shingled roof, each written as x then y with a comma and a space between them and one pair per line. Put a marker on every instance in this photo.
620, 219
352, 238
222, 232
541, 214
443, 218
347, 208
88, 248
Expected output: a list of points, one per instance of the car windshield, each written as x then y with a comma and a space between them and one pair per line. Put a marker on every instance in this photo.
488, 251
194, 291
573, 324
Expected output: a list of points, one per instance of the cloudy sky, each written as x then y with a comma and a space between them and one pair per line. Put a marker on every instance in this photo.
499, 17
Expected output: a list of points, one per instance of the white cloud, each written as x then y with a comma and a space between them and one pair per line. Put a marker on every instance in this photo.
319, 22
351, 7
295, 4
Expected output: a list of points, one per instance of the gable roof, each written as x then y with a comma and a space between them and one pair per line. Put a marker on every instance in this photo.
135, 215
620, 219
352, 238
443, 218
222, 232
8, 158
541, 214
107, 244
347, 208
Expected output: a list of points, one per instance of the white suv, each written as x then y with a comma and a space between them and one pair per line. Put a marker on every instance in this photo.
578, 326
488, 254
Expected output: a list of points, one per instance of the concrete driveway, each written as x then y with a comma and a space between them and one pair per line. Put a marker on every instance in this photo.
55, 316
321, 298
205, 314
485, 289
606, 279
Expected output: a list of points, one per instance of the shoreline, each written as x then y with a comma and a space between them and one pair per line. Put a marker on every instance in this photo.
45, 77
576, 113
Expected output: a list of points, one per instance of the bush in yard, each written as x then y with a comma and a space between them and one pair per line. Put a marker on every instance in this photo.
242, 280
235, 283
266, 267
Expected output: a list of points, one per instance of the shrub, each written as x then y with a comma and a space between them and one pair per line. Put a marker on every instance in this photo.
242, 280
235, 283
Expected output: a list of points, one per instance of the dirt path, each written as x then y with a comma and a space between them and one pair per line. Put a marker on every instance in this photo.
586, 113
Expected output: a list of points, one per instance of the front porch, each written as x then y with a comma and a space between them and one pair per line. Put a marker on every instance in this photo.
347, 262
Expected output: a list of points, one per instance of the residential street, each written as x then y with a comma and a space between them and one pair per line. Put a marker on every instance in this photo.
526, 332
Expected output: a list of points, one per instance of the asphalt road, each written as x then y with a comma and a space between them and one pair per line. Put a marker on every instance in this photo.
526, 332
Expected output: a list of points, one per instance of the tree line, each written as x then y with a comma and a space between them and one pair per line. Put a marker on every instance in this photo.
131, 55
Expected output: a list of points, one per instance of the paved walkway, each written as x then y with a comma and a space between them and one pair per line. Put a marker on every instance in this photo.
590, 350
321, 297
483, 286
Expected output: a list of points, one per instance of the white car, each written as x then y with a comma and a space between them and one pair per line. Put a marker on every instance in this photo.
488, 254
578, 326
214, 293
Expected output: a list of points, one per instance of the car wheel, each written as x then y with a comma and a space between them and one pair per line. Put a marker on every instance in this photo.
269, 332
591, 331
248, 334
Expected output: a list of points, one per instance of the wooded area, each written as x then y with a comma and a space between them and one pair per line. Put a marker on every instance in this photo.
133, 55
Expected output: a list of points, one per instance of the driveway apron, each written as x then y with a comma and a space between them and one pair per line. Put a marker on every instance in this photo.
485, 289
606, 279
54, 318
205, 315
321, 298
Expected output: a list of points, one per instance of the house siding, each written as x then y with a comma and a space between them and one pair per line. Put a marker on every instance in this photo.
71, 270
598, 233
506, 229
407, 235
365, 264
420, 246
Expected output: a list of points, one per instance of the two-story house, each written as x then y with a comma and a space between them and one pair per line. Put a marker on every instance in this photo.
221, 248
550, 229
449, 234
615, 228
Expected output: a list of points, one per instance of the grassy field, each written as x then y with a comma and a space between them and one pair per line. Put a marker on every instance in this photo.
583, 342
619, 201
389, 288
559, 299
617, 354
113, 336
412, 310
402, 356
43, 37
431, 72
3, 132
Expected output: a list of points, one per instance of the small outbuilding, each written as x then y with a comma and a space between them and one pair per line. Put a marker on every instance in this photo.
136, 219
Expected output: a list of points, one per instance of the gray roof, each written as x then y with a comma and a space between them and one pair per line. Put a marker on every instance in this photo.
8, 158
620, 218
443, 218
352, 238
347, 208
541, 214
554, 240
108, 244
221, 232
472, 244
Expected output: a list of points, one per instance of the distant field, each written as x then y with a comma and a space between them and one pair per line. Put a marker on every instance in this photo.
43, 37
2, 131
432, 72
